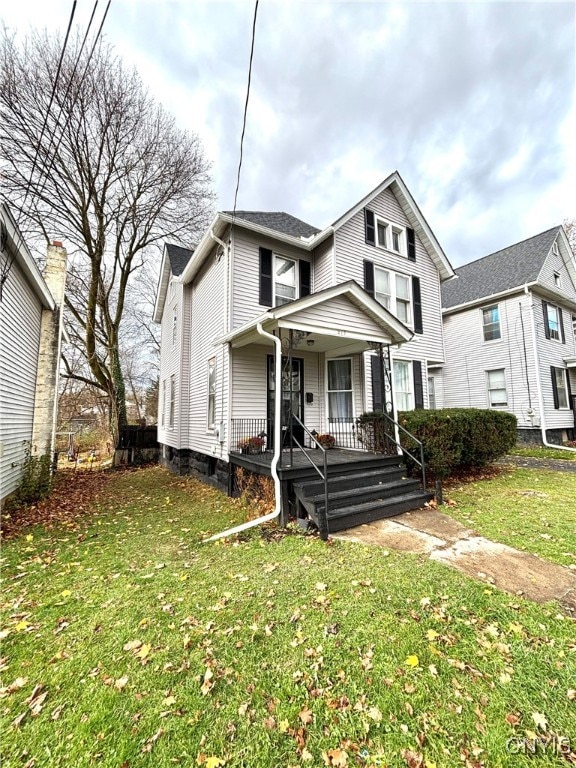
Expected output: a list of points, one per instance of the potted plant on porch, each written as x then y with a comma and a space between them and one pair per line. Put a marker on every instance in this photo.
326, 440
252, 445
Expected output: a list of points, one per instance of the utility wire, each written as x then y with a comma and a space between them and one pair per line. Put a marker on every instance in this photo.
246, 106
52, 95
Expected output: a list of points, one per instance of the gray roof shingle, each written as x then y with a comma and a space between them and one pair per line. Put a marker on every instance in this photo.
278, 221
509, 268
179, 257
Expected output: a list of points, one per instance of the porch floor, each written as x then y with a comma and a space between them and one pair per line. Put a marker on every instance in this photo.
300, 465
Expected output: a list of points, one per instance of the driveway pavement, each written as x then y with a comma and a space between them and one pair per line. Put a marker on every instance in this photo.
431, 532
532, 463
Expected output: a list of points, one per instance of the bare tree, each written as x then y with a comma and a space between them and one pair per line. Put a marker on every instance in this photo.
111, 175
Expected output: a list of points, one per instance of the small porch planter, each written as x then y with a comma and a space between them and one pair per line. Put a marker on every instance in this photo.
327, 441
251, 446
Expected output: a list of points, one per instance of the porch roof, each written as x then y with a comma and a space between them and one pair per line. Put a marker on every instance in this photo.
340, 316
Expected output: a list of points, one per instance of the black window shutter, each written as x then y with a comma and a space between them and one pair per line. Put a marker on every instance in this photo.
411, 238
561, 324
554, 387
417, 299
545, 313
369, 277
304, 268
377, 404
266, 277
418, 389
369, 227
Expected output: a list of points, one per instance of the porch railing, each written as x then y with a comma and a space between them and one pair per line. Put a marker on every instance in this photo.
323, 473
251, 436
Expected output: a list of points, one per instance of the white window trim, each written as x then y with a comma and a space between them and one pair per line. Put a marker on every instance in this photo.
163, 403
564, 373
296, 276
390, 227
482, 325
410, 392
496, 406
556, 308
172, 404
327, 391
393, 308
557, 279
432, 380
174, 325
211, 427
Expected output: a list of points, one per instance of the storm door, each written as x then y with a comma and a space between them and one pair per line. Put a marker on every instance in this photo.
292, 392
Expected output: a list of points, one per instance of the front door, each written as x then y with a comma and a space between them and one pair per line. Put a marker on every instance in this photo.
292, 392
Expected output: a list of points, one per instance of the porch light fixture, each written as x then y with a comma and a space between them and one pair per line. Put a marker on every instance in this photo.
310, 342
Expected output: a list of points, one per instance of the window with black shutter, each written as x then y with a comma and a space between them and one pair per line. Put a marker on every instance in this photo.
411, 240
304, 269
265, 277
417, 299
369, 228
369, 277
377, 387
418, 387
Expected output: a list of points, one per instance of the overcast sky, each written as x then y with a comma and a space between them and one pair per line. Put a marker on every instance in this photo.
473, 103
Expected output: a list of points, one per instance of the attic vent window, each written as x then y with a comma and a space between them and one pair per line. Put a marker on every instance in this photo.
557, 280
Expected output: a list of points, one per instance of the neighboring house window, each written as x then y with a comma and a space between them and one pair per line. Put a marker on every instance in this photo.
497, 395
340, 390
553, 322
491, 323
431, 393
394, 292
174, 326
574, 325
211, 392
557, 280
560, 387
172, 400
284, 280
163, 404
403, 385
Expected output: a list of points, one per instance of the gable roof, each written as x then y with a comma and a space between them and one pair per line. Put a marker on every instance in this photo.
179, 257
278, 221
511, 267
414, 215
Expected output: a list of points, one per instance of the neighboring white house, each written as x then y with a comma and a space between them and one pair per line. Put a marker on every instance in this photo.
509, 328
370, 281
30, 337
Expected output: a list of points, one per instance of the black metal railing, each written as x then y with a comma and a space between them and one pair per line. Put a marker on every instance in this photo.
323, 473
251, 436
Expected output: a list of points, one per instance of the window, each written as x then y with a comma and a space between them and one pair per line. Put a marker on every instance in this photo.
553, 322
394, 292
491, 323
557, 280
340, 390
211, 392
431, 393
284, 280
403, 389
174, 326
163, 404
497, 395
390, 236
172, 400
560, 388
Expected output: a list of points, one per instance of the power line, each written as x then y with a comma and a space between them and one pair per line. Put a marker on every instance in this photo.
246, 106
50, 103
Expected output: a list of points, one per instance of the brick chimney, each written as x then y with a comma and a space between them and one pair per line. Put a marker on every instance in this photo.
46, 402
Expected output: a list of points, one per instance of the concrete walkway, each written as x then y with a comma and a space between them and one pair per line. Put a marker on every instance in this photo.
430, 532
562, 465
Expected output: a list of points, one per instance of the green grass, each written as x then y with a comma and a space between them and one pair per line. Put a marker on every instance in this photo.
268, 651
532, 510
542, 452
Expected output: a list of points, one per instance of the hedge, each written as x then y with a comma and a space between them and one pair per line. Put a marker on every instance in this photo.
459, 438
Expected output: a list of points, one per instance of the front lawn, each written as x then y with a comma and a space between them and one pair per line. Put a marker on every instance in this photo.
129, 643
529, 509
541, 452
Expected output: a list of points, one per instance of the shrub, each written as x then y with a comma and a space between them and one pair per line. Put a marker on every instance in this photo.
376, 433
36, 480
459, 438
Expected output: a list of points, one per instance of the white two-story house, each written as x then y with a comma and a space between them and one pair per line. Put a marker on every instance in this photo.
509, 327
350, 315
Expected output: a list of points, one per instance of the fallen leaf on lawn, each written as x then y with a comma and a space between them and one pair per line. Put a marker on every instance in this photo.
66, 592
269, 723
207, 684
20, 682
283, 726
143, 651
242, 709
17, 720
22, 625
431, 635
512, 718
571, 693
375, 714
57, 712
120, 683
412, 661
169, 701
152, 740
133, 645
214, 762
320, 586
540, 720
413, 759
305, 715
432, 669
306, 755
335, 757
37, 703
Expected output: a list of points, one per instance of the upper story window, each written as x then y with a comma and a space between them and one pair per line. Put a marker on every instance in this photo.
557, 280
284, 280
491, 323
394, 292
174, 326
390, 236
553, 322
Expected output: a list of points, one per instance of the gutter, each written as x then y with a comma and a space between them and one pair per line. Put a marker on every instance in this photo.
538, 382
277, 446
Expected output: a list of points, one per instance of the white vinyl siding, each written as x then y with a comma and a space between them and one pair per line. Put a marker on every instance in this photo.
20, 319
351, 250
323, 266
171, 361
339, 313
556, 264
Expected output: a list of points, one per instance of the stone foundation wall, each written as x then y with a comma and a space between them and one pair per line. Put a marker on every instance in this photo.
534, 436
183, 461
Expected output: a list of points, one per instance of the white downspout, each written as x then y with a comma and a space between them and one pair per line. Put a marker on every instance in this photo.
277, 444
538, 382
222, 433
